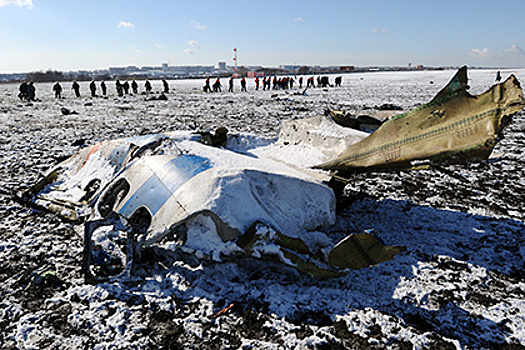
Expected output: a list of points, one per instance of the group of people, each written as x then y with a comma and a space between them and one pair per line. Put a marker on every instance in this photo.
271, 83
27, 91
121, 88
217, 86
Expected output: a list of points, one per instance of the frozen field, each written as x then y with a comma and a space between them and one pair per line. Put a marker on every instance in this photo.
459, 285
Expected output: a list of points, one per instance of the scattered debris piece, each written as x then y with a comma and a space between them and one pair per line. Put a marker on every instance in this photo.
66, 111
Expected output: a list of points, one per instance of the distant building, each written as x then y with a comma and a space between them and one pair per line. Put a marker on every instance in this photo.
148, 68
347, 68
117, 70
290, 67
221, 65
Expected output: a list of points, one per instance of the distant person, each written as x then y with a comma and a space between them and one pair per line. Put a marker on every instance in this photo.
93, 88
498, 76
76, 88
266, 84
118, 87
23, 91
166, 86
300, 82
338, 81
217, 86
256, 83
125, 86
31, 92
207, 87
310, 82
147, 86
103, 88
243, 84
230, 85
291, 81
135, 87
57, 88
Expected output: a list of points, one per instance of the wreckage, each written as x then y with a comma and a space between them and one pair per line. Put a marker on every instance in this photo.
245, 198
454, 127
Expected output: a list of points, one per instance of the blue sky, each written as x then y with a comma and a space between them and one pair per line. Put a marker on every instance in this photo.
96, 34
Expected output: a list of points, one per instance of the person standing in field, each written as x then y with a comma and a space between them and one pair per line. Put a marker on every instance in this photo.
58, 90
230, 84
135, 87
266, 84
31, 91
93, 88
217, 86
147, 86
207, 87
243, 84
118, 87
125, 86
75, 87
166, 86
103, 87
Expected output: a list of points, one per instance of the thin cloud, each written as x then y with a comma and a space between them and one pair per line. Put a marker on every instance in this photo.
198, 26
194, 44
484, 53
298, 19
158, 46
21, 3
124, 24
379, 31
510, 53
514, 50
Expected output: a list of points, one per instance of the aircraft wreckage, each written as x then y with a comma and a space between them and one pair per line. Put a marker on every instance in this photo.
258, 197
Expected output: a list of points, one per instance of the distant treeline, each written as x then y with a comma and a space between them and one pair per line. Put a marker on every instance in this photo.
53, 75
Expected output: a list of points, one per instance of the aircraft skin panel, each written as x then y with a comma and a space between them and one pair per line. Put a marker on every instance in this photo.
454, 123
121, 152
166, 178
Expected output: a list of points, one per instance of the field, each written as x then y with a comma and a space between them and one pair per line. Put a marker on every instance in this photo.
459, 285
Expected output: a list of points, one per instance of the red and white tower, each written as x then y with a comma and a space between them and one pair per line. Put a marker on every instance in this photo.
235, 59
